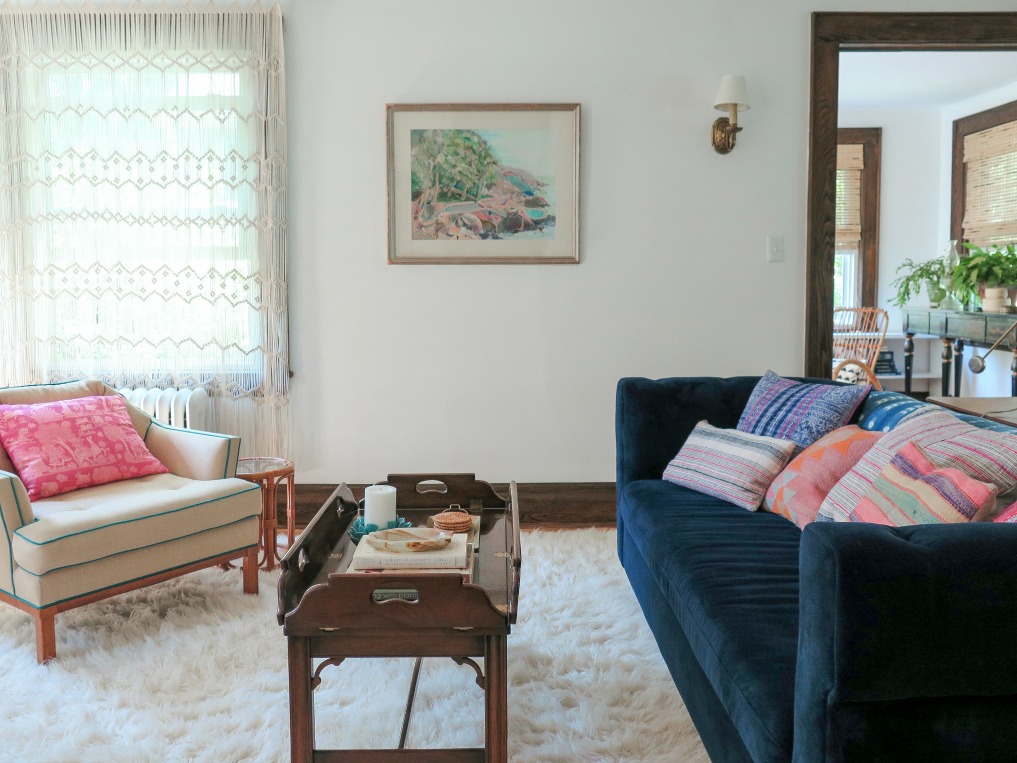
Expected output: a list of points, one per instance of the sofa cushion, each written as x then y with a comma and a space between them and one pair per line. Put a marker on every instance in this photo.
731, 577
792, 410
912, 491
735, 466
65, 445
93, 523
799, 490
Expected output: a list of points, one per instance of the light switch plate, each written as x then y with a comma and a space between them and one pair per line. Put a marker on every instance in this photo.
774, 248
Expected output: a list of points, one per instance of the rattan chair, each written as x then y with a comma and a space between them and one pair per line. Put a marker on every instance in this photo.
858, 334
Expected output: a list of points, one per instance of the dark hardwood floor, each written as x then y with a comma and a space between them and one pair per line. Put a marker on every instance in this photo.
547, 505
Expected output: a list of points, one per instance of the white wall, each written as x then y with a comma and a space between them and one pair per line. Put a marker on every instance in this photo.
509, 371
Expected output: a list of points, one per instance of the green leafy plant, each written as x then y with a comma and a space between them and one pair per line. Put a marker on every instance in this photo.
911, 276
994, 266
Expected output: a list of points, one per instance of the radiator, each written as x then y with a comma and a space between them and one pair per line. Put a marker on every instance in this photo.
183, 408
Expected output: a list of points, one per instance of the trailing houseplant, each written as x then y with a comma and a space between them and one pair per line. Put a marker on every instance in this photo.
911, 276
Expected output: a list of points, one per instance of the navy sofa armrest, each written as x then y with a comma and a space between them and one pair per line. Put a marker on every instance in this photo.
653, 418
893, 615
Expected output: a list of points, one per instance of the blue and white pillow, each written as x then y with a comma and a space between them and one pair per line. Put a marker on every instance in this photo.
791, 410
884, 410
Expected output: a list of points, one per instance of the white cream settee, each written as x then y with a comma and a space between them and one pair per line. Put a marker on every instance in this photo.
92, 543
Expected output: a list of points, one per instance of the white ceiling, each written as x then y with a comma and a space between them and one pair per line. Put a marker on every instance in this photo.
921, 79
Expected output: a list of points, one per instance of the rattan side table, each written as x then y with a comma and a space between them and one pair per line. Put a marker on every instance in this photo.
268, 472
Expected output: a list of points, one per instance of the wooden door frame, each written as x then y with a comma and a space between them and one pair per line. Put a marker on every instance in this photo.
832, 33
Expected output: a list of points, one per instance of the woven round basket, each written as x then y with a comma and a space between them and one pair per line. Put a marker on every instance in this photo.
455, 520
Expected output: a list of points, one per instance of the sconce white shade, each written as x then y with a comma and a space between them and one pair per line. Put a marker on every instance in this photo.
732, 93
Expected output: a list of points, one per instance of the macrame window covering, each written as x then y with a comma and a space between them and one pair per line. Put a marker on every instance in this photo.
990, 195
143, 209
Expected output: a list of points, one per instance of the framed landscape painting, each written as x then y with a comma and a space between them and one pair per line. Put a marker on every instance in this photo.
483, 183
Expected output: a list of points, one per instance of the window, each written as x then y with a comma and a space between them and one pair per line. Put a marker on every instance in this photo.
144, 193
984, 194
856, 247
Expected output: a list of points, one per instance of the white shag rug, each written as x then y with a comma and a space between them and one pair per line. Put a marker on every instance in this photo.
194, 670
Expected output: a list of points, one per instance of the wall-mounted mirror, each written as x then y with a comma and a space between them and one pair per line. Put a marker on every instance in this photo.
906, 105
835, 37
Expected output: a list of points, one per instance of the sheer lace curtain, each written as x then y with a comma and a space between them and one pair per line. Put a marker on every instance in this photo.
143, 205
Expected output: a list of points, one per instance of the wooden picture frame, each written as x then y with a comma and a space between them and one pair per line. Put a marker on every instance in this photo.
483, 183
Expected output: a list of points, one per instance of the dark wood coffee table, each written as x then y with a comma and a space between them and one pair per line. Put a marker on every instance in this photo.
328, 612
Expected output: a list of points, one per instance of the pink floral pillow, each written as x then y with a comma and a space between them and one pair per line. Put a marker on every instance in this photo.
69, 444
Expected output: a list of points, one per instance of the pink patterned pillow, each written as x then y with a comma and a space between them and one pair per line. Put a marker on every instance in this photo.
799, 490
1010, 515
69, 444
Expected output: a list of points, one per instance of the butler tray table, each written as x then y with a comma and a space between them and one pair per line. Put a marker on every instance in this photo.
331, 613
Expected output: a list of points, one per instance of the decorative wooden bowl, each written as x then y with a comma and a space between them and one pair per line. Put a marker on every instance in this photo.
408, 539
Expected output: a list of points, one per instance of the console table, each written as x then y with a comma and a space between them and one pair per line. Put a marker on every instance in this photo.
1002, 410
955, 329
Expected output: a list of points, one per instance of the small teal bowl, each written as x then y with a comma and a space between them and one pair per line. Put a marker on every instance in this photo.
358, 529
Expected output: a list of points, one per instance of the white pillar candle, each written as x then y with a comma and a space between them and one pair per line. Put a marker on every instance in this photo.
379, 505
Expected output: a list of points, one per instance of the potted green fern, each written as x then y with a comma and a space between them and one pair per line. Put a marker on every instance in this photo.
993, 267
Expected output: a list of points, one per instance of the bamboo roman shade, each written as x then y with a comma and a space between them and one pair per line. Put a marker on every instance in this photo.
990, 208
849, 195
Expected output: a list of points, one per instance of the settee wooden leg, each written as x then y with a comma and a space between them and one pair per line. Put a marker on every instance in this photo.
45, 635
251, 571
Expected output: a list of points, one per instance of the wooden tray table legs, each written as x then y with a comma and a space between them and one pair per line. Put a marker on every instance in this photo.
495, 686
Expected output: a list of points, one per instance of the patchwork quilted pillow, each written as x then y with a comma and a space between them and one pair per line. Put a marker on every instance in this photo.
799, 490
912, 491
69, 444
791, 410
734, 466
985, 455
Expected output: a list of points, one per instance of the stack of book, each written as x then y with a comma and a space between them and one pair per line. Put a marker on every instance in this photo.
457, 556
885, 363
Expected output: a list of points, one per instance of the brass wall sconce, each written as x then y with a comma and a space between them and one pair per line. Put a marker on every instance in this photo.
732, 97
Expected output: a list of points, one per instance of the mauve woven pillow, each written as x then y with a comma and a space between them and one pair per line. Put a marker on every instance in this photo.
69, 444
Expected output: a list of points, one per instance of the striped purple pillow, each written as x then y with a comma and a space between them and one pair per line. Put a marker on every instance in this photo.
792, 410
734, 466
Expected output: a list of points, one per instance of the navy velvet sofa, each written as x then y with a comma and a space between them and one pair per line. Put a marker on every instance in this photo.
845, 642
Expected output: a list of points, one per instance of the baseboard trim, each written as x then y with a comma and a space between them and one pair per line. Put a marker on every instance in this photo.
548, 505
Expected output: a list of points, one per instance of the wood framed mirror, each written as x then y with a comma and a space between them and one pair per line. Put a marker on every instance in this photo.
831, 34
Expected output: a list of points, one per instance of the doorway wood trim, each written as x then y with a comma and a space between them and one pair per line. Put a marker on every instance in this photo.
832, 33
